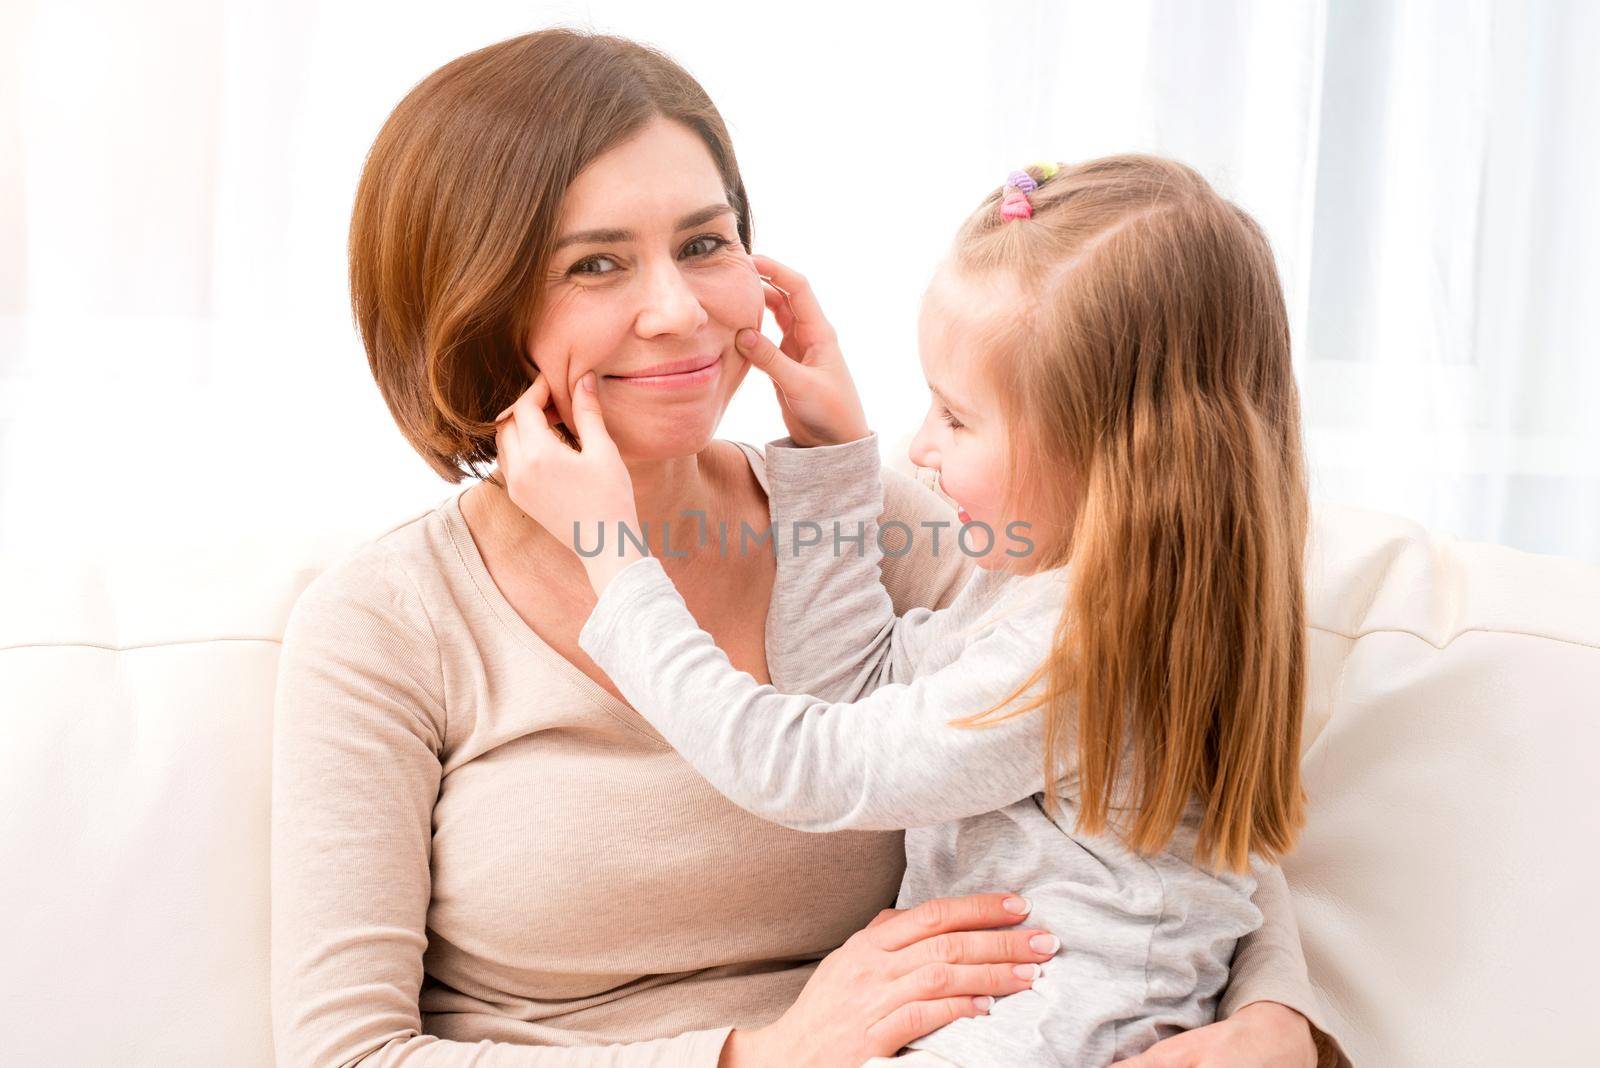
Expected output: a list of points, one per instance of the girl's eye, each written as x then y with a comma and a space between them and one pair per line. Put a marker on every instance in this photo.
707, 244
951, 421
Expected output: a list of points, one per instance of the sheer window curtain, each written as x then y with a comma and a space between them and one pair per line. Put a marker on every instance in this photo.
176, 177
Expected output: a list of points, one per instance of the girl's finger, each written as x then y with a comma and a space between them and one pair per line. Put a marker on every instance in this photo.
773, 293
754, 346
538, 398
591, 424
507, 447
778, 304
801, 298
784, 317
537, 395
539, 425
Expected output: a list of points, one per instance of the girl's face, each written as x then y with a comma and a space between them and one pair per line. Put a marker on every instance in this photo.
963, 437
646, 287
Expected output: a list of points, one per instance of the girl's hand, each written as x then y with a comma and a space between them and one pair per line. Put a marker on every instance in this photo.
908, 972
570, 492
1263, 1034
819, 400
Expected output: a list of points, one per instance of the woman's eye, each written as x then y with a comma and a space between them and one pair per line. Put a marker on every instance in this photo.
950, 420
704, 245
698, 249
591, 265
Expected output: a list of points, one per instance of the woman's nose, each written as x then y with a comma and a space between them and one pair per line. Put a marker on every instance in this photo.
670, 305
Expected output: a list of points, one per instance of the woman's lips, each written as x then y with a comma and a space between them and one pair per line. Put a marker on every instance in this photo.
675, 374
961, 514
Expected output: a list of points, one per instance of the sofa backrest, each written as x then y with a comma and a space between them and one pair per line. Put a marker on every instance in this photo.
136, 773
1453, 718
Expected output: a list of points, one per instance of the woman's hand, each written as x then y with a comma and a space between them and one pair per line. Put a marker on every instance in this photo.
818, 397
1263, 1034
908, 972
584, 493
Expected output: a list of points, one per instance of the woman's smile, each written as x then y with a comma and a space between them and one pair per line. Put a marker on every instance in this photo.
674, 374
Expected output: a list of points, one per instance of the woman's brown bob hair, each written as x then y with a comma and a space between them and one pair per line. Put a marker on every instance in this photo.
457, 208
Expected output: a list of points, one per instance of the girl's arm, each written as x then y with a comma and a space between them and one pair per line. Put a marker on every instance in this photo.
825, 504
887, 762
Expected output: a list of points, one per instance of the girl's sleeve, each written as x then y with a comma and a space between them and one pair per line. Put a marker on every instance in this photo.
1268, 965
887, 762
359, 724
832, 629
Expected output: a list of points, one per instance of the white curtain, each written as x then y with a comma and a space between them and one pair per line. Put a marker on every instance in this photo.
176, 177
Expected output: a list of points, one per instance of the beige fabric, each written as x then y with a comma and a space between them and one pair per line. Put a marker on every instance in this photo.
587, 886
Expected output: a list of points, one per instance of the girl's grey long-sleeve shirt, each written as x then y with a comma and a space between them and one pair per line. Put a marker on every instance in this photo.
861, 740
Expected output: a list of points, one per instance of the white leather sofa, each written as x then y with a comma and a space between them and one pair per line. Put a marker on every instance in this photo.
1445, 886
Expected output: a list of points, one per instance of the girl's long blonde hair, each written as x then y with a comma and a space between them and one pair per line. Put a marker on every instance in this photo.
1146, 381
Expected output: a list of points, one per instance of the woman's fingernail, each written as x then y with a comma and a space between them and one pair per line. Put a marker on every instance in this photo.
1044, 943
588, 381
1026, 971
982, 1004
745, 339
1016, 904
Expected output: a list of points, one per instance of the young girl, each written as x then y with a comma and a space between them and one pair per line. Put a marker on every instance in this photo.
1107, 718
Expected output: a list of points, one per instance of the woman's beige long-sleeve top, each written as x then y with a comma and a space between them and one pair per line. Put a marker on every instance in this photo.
481, 857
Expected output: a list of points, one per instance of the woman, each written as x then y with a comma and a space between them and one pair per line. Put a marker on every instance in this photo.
479, 850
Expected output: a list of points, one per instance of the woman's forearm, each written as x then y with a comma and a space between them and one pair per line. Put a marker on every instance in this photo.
1269, 965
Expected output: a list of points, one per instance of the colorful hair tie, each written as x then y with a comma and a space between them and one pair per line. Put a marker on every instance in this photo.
1014, 204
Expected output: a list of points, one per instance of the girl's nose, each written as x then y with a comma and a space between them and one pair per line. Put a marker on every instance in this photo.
922, 452
670, 306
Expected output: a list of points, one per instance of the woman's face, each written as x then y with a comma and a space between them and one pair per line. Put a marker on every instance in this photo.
646, 287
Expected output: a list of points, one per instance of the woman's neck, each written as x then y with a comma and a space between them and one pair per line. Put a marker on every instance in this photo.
665, 492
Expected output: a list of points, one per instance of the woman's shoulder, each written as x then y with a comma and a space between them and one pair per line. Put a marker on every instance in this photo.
370, 602
378, 570
360, 634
